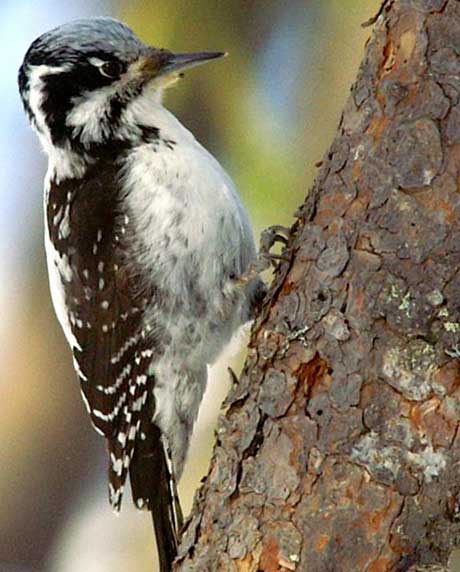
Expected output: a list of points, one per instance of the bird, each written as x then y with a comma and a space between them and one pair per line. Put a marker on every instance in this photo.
148, 247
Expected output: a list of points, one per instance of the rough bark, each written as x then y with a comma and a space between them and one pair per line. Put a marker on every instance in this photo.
339, 449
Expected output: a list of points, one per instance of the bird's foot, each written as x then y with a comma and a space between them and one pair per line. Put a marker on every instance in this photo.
271, 235
265, 259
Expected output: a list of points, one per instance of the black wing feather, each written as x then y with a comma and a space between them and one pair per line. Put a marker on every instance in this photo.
106, 306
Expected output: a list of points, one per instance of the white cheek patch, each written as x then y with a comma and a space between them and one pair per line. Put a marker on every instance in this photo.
89, 115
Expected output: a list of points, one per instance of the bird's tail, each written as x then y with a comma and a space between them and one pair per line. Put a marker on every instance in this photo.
153, 488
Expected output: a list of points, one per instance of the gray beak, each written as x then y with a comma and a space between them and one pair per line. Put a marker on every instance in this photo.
177, 63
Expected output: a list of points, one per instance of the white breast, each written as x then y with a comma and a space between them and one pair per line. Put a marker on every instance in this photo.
186, 208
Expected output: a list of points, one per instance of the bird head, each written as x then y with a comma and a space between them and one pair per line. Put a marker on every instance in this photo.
80, 81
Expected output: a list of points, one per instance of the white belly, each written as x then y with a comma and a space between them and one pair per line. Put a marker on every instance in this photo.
194, 237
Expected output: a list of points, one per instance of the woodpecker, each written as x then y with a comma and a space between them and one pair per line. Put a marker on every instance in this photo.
147, 245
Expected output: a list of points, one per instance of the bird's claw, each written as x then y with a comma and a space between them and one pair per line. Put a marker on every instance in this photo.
265, 259
271, 235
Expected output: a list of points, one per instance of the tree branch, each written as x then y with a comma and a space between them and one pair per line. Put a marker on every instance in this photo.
339, 449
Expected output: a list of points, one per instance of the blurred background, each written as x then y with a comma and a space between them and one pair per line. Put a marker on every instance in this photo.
268, 112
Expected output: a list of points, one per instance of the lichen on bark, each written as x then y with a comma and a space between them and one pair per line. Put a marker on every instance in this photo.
339, 446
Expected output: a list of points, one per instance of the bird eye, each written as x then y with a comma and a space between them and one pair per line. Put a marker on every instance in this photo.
111, 69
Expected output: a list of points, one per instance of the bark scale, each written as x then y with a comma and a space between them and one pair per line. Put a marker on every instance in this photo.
339, 449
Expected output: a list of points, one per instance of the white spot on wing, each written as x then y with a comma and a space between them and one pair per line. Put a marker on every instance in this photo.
85, 401
111, 389
125, 347
57, 269
117, 464
80, 374
110, 416
64, 227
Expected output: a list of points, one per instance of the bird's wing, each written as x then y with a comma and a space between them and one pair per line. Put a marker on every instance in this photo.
104, 304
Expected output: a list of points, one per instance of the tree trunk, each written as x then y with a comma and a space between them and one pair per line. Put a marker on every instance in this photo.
339, 448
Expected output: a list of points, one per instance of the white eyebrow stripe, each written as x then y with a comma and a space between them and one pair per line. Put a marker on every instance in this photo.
96, 62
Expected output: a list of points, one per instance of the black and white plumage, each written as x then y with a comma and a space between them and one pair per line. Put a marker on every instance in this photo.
146, 243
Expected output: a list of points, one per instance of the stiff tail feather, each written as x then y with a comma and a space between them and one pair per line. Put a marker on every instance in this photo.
153, 488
